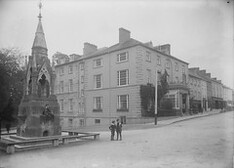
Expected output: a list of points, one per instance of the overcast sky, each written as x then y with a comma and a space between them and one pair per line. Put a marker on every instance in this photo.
200, 31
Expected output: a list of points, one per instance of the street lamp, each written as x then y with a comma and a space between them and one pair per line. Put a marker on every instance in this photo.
156, 97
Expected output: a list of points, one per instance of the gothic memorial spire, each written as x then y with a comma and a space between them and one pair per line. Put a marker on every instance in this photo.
39, 109
39, 40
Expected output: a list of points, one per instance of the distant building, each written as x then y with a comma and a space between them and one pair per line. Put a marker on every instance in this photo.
198, 91
104, 84
217, 94
227, 97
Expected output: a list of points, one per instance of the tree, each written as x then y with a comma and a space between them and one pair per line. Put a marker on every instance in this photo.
163, 87
11, 83
147, 94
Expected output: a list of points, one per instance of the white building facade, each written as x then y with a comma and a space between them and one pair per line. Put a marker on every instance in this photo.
104, 84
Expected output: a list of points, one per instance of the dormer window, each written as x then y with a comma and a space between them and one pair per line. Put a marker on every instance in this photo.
122, 57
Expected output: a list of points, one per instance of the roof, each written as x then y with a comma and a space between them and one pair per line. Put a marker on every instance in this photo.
194, 74
199, 74
121, 46
39, 40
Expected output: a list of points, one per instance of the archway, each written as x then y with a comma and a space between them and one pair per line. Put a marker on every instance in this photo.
45, 133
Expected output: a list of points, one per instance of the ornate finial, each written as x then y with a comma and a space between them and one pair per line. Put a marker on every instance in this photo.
40, 6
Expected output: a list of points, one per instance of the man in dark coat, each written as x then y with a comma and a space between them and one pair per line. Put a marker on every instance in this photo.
119, 130
112, 128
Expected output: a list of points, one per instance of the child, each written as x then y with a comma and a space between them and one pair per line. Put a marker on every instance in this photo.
112, 128
119, 130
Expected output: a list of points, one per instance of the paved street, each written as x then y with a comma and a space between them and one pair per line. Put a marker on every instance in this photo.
205, 142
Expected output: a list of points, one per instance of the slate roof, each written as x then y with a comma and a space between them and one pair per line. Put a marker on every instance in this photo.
193, 73
121, 46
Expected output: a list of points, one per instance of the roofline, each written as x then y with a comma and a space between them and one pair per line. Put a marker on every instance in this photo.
216, 81
141, 44
107, 52
162, 53
68, 62
194, 75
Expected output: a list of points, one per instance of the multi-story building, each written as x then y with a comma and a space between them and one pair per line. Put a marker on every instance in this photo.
207, 77
198, 90
227, 96
217, 93
106, 82
70, 89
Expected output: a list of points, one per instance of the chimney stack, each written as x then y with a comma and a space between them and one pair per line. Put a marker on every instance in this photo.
149, 44
208, 75
124, 35
166, 48
203, 71
89, 48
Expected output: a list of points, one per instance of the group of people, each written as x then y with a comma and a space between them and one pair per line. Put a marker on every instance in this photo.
116, 127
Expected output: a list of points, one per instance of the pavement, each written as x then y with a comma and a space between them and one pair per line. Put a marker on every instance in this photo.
161, 121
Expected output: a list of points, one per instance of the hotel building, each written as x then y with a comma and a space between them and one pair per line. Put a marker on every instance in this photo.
104, 84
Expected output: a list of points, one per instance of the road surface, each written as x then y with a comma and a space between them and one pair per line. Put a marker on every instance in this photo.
205, 142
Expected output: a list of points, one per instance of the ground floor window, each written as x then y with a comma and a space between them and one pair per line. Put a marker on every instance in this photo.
81, 122
97, 121
123, 119
122, 102
70, 122
97, 104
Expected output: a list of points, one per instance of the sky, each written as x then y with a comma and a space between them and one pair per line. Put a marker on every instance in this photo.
200, 32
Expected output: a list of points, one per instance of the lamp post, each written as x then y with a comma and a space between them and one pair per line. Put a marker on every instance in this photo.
156, 97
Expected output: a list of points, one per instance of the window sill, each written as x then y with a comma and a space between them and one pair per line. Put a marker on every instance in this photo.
123, 85
122, 110
119, 62
97, 110
96, 67
97, 88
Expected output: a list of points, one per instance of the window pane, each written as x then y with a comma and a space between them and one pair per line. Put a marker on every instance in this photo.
70, 105
70, 68
98, 62
97, 121
98, 81
123, 102
123, 77
122, 57
61, 104
70, 85
97, 103
61, 87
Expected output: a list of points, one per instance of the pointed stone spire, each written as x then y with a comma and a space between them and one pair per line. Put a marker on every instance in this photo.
39, 40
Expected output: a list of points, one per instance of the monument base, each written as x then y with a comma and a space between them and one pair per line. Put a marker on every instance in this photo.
38, 117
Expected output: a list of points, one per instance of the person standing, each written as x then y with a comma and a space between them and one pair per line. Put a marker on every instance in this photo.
112, 128
8, 126
119, 130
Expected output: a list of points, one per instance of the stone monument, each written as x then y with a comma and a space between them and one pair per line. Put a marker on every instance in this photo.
39, 109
